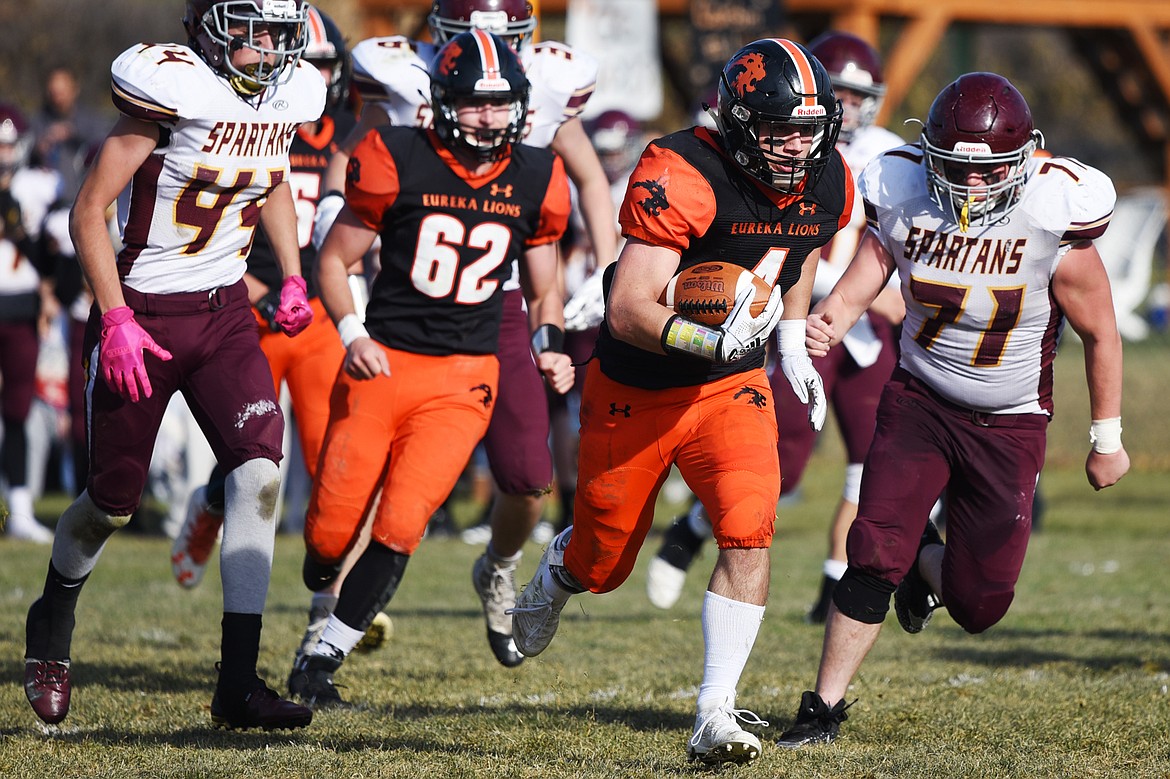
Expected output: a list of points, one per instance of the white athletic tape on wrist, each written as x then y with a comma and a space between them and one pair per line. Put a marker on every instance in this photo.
350, 328
1105, 435
790, 336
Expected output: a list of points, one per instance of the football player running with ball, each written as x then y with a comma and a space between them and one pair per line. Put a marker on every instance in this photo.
766, 192
200, 157
452, 205
994, 252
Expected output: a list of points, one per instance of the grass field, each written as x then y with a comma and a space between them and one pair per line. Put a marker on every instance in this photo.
1072, 683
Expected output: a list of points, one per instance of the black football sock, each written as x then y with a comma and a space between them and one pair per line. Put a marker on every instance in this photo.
49, 628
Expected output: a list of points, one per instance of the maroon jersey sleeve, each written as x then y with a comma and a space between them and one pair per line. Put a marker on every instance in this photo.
668, 202
371, 184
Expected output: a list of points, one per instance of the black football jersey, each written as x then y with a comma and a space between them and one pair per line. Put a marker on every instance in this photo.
449, 238
688, 195
309, 155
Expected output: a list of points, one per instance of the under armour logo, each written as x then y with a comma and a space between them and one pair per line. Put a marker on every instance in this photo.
614, 410
755, 397
808, 209
486, 400
497, 190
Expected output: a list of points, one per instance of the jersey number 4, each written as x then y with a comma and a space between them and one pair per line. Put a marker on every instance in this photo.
205, 201
436, 270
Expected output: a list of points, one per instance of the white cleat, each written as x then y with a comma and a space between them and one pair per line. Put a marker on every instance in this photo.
196, 540
537, 613
496, 587
719, 739
664, 583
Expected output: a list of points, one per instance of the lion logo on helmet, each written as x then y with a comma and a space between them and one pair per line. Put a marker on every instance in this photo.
450, 54
753, 72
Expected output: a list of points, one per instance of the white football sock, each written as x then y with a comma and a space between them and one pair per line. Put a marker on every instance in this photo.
249, 534
729, 632
338, 637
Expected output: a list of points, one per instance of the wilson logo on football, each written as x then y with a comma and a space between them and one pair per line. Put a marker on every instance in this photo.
706, 269
703, 285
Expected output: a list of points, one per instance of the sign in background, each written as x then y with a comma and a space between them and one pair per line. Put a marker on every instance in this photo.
623, 36
721, 28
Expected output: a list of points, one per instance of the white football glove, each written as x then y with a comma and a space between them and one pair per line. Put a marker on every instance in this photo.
586, 308
801, 374
328, 208
742, 332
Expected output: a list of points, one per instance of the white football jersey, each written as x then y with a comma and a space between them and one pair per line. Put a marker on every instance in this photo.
190, 212
392, 73
981, 328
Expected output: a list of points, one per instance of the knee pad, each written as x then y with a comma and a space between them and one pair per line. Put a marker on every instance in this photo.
86, 522
863, 597
976, 615
749, 523
251, 489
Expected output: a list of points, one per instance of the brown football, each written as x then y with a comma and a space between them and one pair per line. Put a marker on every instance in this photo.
705, 293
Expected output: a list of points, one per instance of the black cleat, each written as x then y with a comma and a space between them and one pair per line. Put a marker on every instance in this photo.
914, 601
815, 723
820, 610
311, 681
260, 708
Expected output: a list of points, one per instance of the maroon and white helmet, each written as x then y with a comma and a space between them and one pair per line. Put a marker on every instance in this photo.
512, 20
208, 23
617, 139
981, 119
853, 65
15, 138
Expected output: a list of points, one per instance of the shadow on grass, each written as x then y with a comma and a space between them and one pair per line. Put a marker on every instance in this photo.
323, 734
1039, 651
146, 678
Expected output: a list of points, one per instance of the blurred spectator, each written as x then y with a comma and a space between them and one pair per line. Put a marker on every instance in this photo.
25, 297
66, 132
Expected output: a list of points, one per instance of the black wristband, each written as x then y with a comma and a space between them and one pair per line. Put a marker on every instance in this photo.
548, 338
331, 193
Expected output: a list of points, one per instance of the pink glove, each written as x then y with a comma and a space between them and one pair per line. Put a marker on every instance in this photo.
294, 314
123, 342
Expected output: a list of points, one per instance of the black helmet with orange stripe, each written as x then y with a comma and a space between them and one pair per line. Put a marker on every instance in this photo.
769, 89
478, 66
326, 49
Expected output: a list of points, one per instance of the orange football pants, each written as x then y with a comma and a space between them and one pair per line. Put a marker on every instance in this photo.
308, 364
409, 434
720, 435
